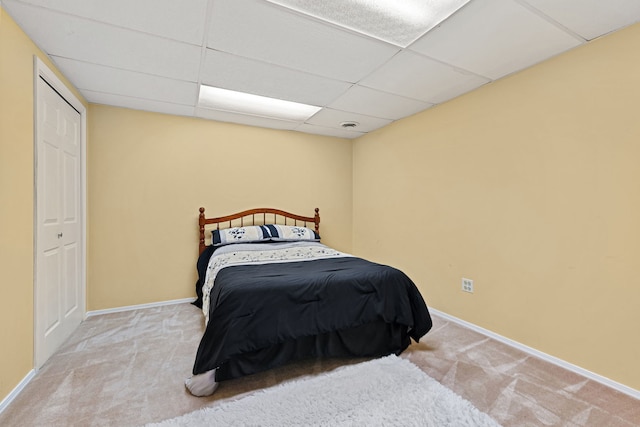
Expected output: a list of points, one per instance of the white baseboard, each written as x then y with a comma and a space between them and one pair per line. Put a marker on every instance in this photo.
137, 307
16, 391
544, 356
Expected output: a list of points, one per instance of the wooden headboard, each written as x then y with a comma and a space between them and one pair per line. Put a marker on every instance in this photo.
258, 216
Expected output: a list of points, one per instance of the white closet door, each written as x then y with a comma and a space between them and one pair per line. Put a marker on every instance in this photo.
58, 290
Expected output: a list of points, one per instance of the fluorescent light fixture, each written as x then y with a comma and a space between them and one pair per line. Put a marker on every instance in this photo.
399, 22
246, 103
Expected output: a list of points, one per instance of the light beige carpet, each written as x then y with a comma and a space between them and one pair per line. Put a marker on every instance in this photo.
128, 369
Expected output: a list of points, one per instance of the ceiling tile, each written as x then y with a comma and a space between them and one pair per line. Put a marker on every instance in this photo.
377, 104
332, 118
137, 103
274, 34
321, 130
179, 20
414, 76
89, 41
229, 71
590, 18
494, 38
98, 78
226, 116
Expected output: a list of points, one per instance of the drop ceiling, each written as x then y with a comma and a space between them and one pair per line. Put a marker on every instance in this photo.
153, 55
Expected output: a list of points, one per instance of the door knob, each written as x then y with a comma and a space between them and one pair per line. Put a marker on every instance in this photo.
59, 235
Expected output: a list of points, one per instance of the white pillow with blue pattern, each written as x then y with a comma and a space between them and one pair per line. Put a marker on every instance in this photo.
288, 233
253, 233
263, 233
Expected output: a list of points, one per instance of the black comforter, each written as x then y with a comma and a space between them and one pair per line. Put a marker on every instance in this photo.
262, 315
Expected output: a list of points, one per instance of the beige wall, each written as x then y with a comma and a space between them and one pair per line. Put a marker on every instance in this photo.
149, 173
531, 187
16, 202
528, 186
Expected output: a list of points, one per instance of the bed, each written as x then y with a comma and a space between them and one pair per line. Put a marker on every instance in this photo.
272, 293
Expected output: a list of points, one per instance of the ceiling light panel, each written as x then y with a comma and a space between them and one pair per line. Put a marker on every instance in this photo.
396, 22
255, 105
273, 34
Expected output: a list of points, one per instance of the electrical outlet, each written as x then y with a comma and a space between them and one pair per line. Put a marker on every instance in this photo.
467, 285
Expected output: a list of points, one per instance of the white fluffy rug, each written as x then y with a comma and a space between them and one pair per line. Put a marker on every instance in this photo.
389, 391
